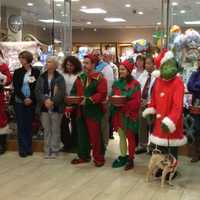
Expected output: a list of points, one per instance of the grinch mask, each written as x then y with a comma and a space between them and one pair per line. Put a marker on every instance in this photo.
169, 69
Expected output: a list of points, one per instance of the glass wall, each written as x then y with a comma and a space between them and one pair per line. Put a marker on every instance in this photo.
47, 23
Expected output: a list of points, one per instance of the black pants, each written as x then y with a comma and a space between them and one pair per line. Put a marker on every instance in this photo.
3, 143
24, 117
69, 137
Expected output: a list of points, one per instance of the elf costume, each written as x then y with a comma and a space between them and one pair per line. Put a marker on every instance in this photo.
165, 109
89, 115
5, 79
125, 118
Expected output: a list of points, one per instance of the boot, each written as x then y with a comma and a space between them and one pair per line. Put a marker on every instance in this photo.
120, 162
195, 151
129, 165
3, 139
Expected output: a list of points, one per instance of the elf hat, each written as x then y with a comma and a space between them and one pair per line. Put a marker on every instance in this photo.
129, 66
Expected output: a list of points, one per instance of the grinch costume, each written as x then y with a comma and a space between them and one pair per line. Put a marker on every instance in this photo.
5, 79
125, 118
89, 115
165, 109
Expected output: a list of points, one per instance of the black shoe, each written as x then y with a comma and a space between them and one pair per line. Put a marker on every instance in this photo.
129, 165
30, 153
23, 155
158, 173
141, 151
2, 151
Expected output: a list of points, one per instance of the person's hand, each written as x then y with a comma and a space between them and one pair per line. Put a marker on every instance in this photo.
67, 115
150, 119
27, 102
48, 104
83, 102
165, 128
143, 103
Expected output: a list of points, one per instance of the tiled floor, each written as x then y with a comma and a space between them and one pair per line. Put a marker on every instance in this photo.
34, 178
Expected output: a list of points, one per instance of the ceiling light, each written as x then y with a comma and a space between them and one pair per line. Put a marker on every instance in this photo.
140, 13
192, 22
44, 28
113, 19
49, 21
174, 14
93, 11
128, 5
158, 23
58, 4
83, 7
30, 4
89, 23
182, 11
174, 4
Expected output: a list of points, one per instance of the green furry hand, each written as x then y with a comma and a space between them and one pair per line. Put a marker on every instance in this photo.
165, 128
150, 119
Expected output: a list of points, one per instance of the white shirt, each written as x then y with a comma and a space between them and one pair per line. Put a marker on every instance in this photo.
69, 80
136, 74
109, 76
115, 70
142, 80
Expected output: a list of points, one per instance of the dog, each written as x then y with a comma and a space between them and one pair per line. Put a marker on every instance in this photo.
167, 163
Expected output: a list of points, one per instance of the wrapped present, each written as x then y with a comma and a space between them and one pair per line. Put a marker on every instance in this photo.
70, 100
118, 100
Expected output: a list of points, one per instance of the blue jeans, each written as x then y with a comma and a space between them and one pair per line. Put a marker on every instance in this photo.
24, 117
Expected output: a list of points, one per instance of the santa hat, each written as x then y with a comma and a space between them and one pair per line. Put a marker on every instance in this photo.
129, 66
161, 59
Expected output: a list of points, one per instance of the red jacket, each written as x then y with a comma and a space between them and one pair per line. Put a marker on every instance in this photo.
167, 104
3, 117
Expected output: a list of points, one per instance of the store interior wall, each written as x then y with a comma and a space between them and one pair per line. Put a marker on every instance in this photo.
111, 35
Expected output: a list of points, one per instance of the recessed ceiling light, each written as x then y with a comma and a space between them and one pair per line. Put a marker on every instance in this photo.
174, 4
89, 23
192, 22
140, 13
83, 7
30, 4
182, 11
93, 11
58, 4
114, 19
128, 5
44, 28
48, 21
158, 23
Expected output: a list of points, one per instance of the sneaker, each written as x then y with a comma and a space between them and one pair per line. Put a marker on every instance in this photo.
99, 164
129, 165
120, 162
195, 159
53, 155
77, 161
